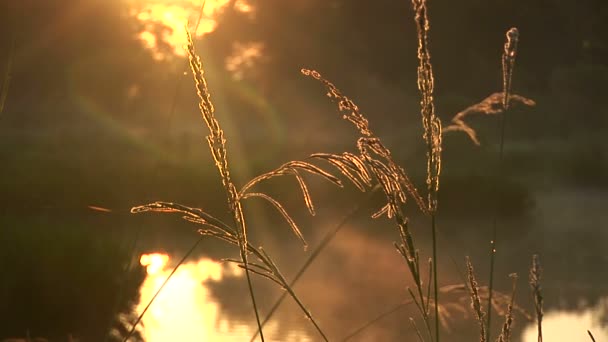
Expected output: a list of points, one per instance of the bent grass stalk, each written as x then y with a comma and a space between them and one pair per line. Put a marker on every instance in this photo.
476, 301
313, 256
217, 145
432, 136
350, 166
372, 164
392, 178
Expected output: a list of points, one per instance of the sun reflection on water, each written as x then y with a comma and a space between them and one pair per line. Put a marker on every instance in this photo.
562, 325
184, 310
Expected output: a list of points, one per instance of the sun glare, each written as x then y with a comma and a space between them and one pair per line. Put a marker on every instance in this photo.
163, 22
154, 262
185, 310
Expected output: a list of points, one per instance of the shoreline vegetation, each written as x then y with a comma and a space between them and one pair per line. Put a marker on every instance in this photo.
411, 197
370, 167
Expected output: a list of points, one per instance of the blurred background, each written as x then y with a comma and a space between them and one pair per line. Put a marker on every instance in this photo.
101, 115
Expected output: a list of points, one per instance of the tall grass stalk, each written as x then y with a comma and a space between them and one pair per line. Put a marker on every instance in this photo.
508, 63
505, 334
432, 135
394, 182
217, 145
349, 165
476, 301
535, 278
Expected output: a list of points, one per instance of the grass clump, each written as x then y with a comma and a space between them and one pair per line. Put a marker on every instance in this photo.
372, 166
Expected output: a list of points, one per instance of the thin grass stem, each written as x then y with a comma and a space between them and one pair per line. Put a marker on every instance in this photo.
508, 63
435, 286
374, 320
315, 253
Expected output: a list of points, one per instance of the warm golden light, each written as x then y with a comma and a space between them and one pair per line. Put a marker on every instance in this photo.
164, 22
185, 310
154, 262
244, 57
561, 325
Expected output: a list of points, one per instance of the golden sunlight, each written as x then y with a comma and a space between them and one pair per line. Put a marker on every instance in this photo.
164, 22
244, 57
185, 310
154, 262
564, 325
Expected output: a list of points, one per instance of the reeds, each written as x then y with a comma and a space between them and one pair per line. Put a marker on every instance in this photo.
508, 63
432, 136
217, 145
505, 333
371, 165
237, 235
480, 314
476, 300
394, 182
536, 273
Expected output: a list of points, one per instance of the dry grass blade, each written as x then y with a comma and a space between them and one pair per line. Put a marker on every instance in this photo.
392, 178
430, 122
217, 146
268, 276
193, 214
476, 300
251, 264
347, 164
491, 105
508, 63
413, 323
285, 284
535, 278
280, 209
289, 168
315, 253
369, 145
305, 192
505, 334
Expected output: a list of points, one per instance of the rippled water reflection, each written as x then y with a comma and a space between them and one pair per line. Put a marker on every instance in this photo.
360, 276
569, 325
185, 310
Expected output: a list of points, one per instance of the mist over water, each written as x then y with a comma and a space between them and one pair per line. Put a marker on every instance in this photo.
360, 276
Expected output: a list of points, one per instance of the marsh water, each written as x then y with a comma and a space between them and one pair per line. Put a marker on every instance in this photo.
78, 268
360, 276
101, 116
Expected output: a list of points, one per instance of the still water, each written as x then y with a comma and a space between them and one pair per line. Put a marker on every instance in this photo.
66, 272
359, 277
